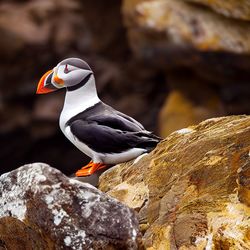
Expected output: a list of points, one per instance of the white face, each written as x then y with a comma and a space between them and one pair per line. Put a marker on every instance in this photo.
70, 72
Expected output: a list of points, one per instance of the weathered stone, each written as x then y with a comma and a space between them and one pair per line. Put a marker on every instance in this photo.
180, 111
63, 212
195, 191
243, 177
37, 25
188, 104
193, 42
231, 8
170, 24
14, 234
169, 33
109, 28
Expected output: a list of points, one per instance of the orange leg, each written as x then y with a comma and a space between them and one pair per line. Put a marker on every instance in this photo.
90, 169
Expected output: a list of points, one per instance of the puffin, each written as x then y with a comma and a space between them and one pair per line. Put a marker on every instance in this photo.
104, 134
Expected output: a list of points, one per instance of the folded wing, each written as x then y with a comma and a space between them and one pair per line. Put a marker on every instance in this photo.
112, 133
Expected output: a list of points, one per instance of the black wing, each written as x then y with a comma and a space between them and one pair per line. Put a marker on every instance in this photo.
111, 134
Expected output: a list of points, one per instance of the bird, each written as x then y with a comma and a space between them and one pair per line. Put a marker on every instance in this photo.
104, 134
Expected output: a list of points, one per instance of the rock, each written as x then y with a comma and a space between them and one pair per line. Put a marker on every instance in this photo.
38, 25
244, 180
230, 8
91, 179
38, 34
193, 189
180, 111
187, 104
61, 213
169, 33
14, 233
204, 50
182, 25
107, 35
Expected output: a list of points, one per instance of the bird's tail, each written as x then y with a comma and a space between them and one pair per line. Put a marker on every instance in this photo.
150, 135
150, 141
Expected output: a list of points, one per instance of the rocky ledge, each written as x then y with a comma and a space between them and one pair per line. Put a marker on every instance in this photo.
193, 190
40, 208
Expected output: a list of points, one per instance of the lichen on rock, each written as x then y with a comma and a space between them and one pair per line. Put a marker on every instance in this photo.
195, 191
64, 213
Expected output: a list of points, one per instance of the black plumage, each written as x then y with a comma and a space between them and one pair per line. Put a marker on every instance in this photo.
106, 130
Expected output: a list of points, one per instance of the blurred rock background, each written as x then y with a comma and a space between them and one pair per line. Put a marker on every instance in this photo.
167, 63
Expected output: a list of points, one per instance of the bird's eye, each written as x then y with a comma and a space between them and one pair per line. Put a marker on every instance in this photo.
66, 70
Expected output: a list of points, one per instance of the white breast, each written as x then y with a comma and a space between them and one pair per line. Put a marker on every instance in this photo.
67, 113
81, 146
76, 102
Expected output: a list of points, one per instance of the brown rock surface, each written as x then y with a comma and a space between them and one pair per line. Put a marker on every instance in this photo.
170, 24
192, 191
231, 8
173, 34
188, 104
169, 37
181, 111
16, 235
56, 212
191, 41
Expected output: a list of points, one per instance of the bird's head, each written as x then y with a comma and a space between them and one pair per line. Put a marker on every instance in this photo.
68, 73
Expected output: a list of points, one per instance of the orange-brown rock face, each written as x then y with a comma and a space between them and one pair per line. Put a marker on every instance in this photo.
192, 191
188, 104
206, 42
166, 25
15, 235
141, 52
239, 9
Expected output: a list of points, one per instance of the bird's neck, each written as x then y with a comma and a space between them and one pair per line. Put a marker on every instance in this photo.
82, 98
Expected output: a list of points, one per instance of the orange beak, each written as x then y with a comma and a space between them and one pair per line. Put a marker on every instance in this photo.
58, 80
42, 88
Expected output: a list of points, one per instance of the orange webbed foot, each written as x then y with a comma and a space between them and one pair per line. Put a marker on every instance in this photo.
90, 169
